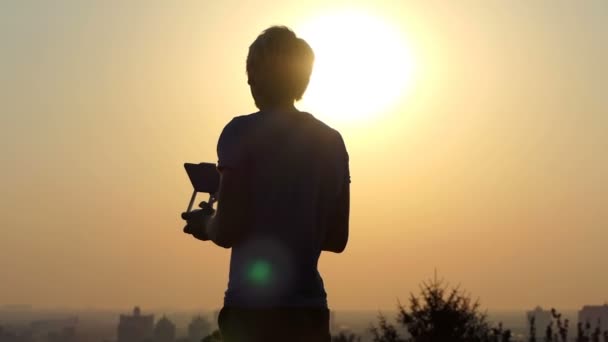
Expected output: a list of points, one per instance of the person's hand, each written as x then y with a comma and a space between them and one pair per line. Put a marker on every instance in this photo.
196, 221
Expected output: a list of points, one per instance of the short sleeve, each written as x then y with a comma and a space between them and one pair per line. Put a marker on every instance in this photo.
342, 160
231, 149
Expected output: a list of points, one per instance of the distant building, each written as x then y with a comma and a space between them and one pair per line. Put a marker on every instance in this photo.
198, 329
164, 330
594, 314
8, 335
542, 319
216, 315
53, 329
67, 334
332, 321
136, 327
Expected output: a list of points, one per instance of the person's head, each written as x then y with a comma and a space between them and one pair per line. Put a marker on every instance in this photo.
279, 65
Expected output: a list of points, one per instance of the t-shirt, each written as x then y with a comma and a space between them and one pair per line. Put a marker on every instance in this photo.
297, 167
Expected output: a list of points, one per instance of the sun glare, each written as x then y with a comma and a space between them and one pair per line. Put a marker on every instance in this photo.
362, 66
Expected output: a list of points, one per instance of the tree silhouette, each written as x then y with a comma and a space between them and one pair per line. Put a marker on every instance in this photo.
595, 337
561, 333
440, 314
345, 337
500, 335
597, 333
549, 333
580, 335
385, 332
532, 321
584, 333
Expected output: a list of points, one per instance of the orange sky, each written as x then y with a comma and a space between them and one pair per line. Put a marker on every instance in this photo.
492, 168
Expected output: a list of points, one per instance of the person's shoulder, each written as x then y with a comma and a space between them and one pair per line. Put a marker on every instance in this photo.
324, 131
232, 143
242, 120
321, 126
238, 124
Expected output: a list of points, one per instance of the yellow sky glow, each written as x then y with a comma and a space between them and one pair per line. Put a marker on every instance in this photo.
476, 132
363, 65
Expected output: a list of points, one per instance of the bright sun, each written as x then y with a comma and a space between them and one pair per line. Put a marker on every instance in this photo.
362, 66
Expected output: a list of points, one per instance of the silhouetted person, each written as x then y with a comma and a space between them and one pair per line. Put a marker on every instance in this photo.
283, 198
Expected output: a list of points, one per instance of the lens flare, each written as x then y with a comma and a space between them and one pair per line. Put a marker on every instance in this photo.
260, 273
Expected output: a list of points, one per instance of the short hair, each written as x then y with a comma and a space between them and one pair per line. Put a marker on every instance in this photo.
280, 64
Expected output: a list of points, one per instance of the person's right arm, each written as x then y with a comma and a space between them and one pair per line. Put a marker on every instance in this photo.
336, 236
337, 219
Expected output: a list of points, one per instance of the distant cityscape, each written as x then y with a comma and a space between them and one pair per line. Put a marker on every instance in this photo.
24, 324
133, 327
591, 320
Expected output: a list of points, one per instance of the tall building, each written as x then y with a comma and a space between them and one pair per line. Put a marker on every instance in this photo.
542, 319
45, 328
594, 314
67, 334
198, 329
164, 330
136, 327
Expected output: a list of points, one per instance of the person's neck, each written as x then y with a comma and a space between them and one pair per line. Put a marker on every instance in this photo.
281, 107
